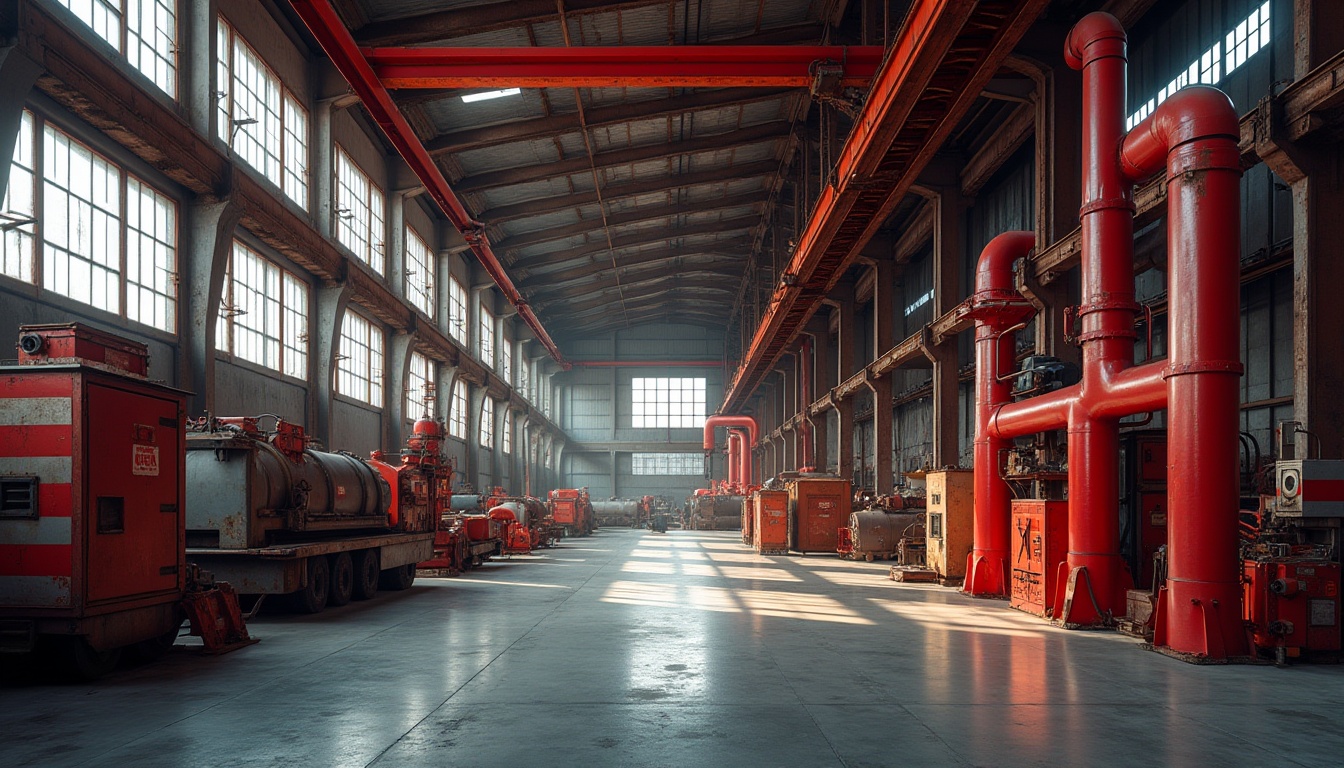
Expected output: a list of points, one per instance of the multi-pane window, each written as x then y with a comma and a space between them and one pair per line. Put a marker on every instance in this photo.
1221, 59
359, 371
420, 387
259, 118
19, 211
146, 30
668, 402
524, 373
667, 463
264, 314
457, 310
419, 273
487, 422
506, 437
487, 337
457, 411
105, 237
359, 212
506, 359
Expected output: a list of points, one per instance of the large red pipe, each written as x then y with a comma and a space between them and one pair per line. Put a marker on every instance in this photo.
734, 458
1194, 135
997, 307
753, 434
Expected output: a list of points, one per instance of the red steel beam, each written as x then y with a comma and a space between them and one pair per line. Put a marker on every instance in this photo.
648, 364
636, 66
335, 39
943, 55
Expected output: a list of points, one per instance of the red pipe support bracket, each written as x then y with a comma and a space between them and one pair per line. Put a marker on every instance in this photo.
634, 66
335, 39
1193, 135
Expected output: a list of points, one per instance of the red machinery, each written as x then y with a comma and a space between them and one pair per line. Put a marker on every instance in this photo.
528, 524
818, 506
92, 478
1040, 544
1292, 603
770, 522
572, 510
1193, 136
739, 450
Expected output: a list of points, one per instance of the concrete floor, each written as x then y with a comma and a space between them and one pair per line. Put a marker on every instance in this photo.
635, 649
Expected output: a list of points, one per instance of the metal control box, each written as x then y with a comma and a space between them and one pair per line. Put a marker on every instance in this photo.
817, 507
93, 481
1039, 543
1310, 488
950, 523
770, 524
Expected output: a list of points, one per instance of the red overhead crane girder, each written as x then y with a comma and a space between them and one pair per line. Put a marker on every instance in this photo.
335, 39
635, 66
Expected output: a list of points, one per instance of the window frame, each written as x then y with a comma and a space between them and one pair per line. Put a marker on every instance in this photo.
374, 205
485, 341
506, 433
126, 38
654, 464
487, 431
426, 373
458, 320
373, 363
290, 340
425, 264
460, 401
668, 391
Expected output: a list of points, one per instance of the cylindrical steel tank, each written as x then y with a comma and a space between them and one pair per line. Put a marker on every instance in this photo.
518, 508
243, 492
613, 507
877, 533
465, 502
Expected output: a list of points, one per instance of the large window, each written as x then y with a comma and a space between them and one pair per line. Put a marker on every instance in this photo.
506, 359
457, 310
359, 212
420, 387
264, 314
506, 437
681, 464
457, 411
524, 373
145, 30
672, 403
261, 119
486, 348
359, 372
419, 273
1220, 60
487, 422
105, 237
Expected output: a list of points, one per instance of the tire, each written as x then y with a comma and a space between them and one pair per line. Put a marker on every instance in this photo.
87, 663
399, 578
342, 579
366, 574
313, 597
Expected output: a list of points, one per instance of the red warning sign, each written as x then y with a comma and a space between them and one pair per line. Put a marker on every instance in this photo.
145, 460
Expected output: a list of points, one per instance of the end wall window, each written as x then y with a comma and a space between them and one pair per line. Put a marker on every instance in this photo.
359, 212
264, 314
457, 411
679, 464
359, 372
419, 387
260, 119
674, 403
106, 238
146, 30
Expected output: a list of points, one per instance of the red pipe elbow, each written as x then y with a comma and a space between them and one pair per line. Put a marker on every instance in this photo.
994, 271
1193, 113
1095, 36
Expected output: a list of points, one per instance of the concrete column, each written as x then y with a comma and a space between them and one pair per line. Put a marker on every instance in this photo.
197, 90
884, 331
949, 218
845, 438
208, 229
394, 394
845, 340
324, 333
823, 379
17, 75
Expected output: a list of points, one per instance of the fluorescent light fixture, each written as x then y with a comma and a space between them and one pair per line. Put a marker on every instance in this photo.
470, 97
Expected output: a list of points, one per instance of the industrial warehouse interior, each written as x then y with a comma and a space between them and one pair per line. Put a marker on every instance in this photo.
671, 382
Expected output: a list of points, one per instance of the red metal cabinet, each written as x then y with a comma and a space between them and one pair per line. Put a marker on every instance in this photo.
817, 507
1040, 542
770, 526
1292, 605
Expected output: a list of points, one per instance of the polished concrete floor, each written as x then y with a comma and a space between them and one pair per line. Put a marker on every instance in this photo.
685, 649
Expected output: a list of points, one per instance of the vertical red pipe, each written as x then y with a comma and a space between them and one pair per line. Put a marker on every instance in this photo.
1194, 134
753, 433
1096, 45
734, 457
996, 306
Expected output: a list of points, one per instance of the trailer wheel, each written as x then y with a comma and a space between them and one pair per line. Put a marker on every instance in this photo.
342, 579
313, 597
366, 574
399, 578
87, 663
